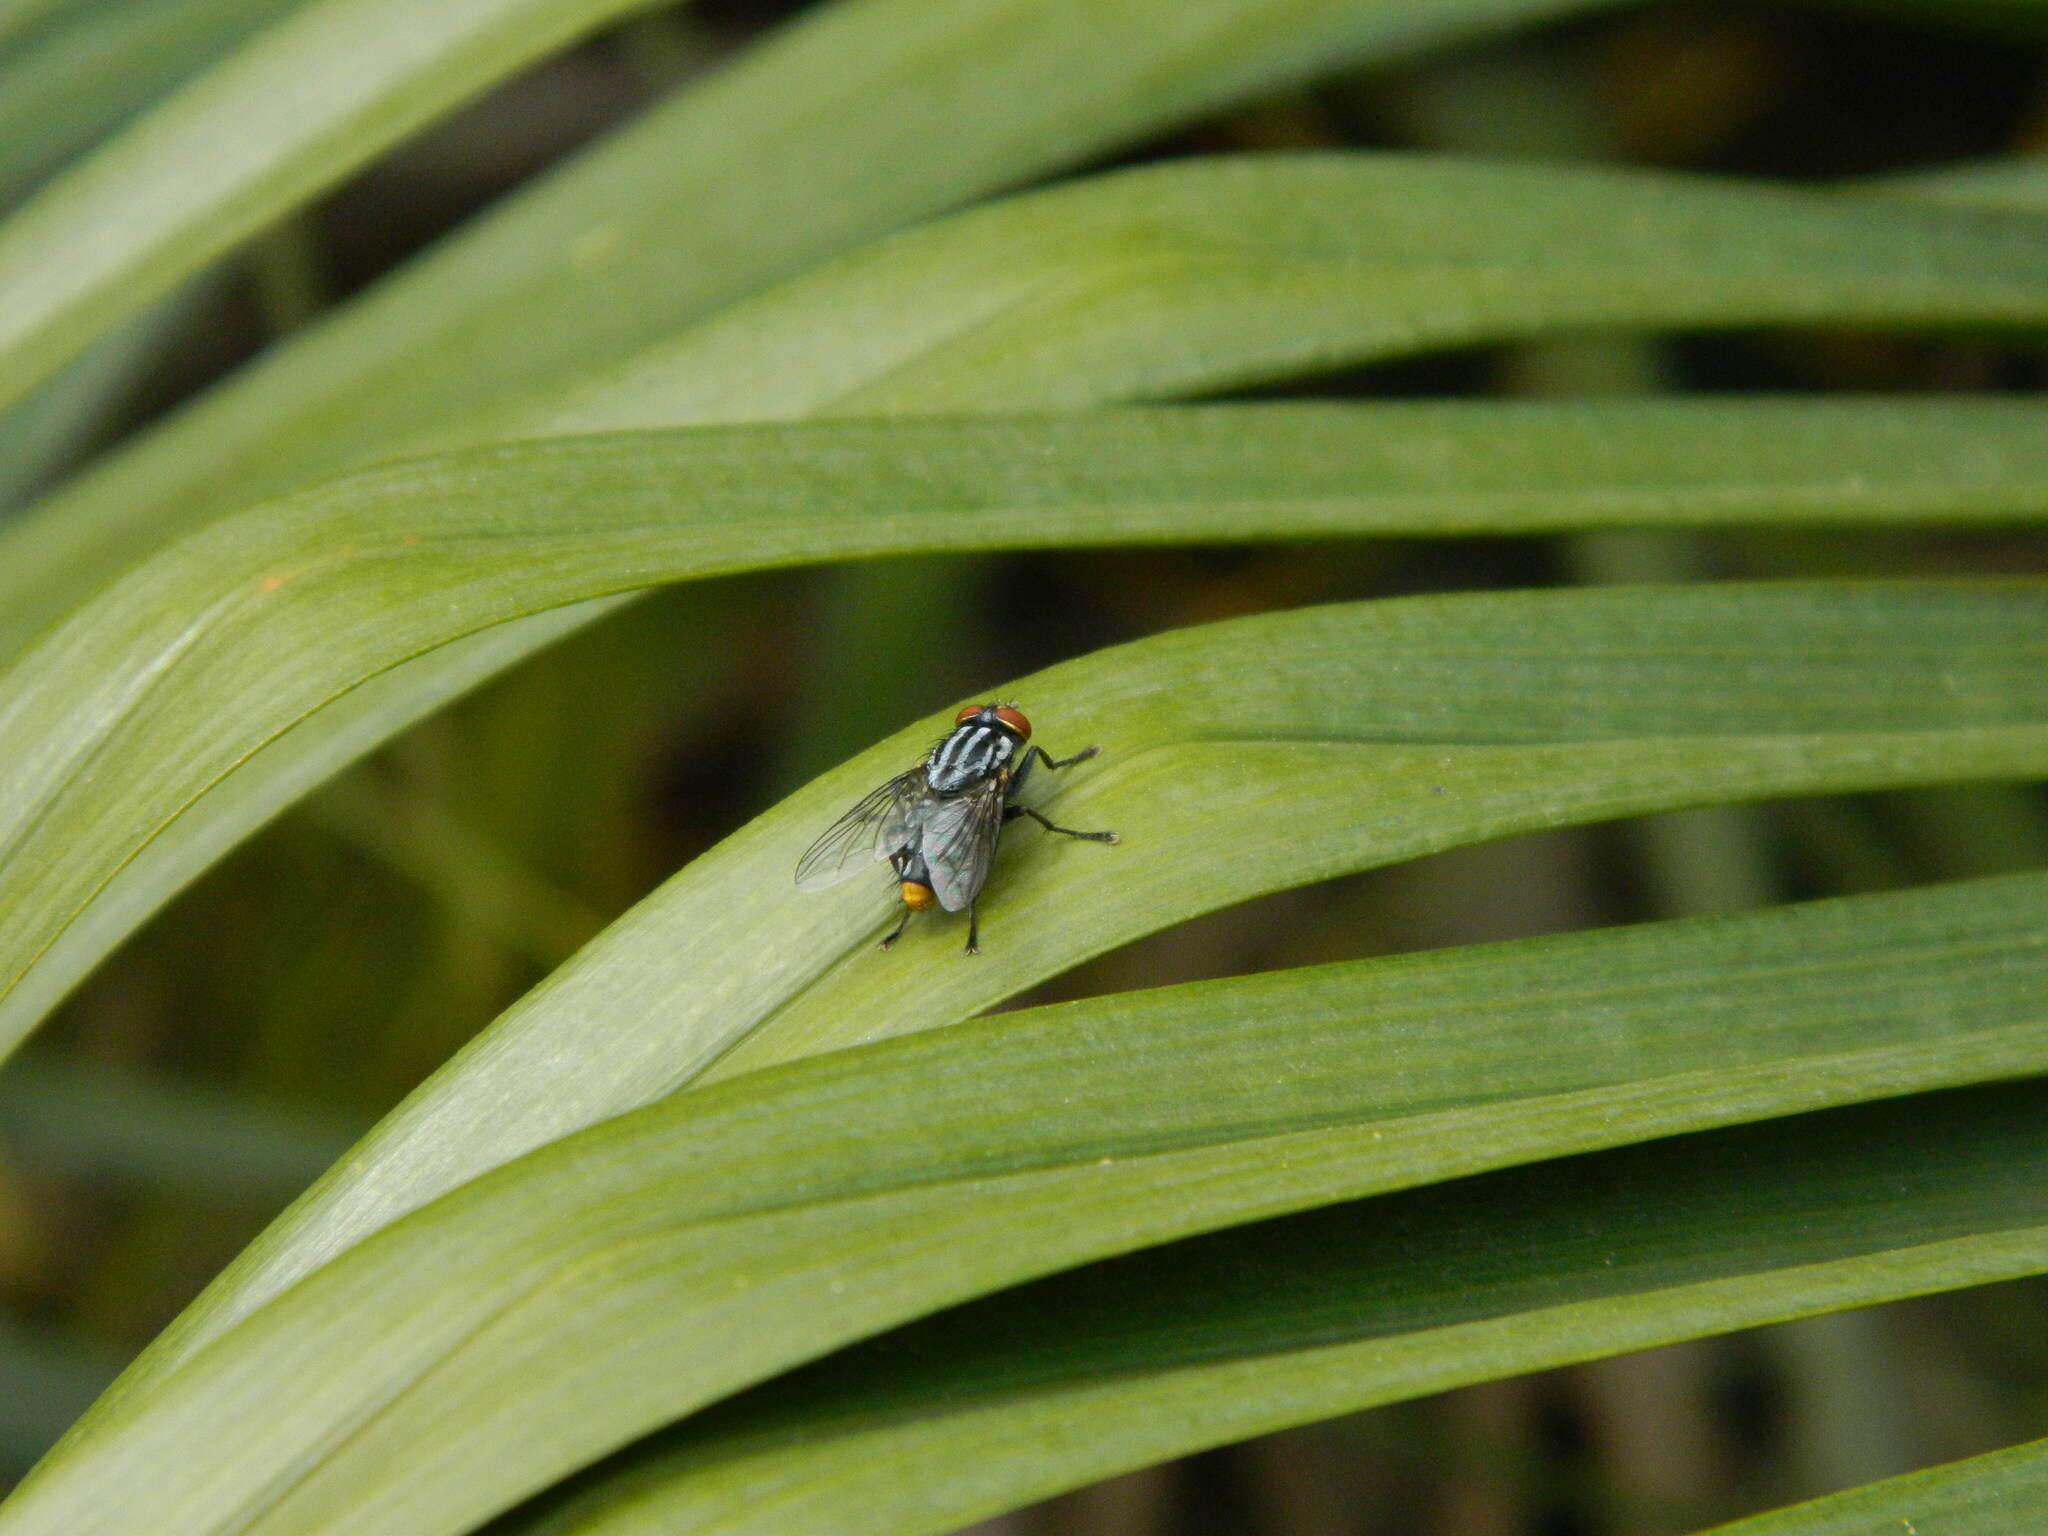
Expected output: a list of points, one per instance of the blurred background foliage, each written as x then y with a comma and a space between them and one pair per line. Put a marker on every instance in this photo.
296, 992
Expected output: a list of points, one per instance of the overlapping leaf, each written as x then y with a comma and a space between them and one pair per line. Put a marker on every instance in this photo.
1031, 1392
619, 1278
600, 1286
865, 116
1319, 742
1166, 280
1198, 276
1985, 1496
1060, 295
92, 66
176, 675
286, 113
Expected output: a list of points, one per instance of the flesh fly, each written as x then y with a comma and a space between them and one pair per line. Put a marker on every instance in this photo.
937, 825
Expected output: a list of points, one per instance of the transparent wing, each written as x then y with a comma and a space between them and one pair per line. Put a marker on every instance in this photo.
865, 835
957, 838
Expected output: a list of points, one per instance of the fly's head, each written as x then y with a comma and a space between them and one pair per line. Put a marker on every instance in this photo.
1007, 716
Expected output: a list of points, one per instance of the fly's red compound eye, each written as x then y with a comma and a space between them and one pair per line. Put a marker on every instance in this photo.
967, 714
1014, 721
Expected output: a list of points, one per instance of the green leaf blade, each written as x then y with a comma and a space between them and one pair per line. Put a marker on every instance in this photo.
98, 65
1368, 722
172, 679
1199, 276
1984, 1496
839, 1450
605, 1284
288, 112
819, 138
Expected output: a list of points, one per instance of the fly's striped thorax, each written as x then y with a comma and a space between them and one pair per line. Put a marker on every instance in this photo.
968, 756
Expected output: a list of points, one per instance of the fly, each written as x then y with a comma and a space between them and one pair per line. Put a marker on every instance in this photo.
937, 825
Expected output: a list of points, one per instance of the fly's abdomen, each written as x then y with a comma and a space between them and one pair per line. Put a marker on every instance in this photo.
914, 881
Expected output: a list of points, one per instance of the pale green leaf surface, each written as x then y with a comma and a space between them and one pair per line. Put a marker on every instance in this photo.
613, 1281
173, 677
1993, 1495
1031, 1392
99, 65
863, 117
290, 111
1064, 295
1201, 275
2020, 184
1169, 310
1390, 729
1963, 757
275, 776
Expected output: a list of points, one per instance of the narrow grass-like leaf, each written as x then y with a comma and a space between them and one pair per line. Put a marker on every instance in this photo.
100, 64
590, 1283
1203, 275
1991, 1495
276, 776
1177, 231
1021, 1396
616, 1280
172, 678
1060, 294
2019, 184
289, 112
1391, 729
859, 119
968, 1415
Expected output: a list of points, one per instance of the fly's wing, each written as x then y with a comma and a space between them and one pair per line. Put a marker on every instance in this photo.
957, 838
870, 832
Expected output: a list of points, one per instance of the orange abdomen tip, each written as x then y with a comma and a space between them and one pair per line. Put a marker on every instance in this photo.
917, 897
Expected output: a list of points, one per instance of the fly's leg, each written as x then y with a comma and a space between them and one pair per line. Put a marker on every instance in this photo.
973, 930
1036, 755
896, 933
1050, 761
1039, 754
1011, 813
